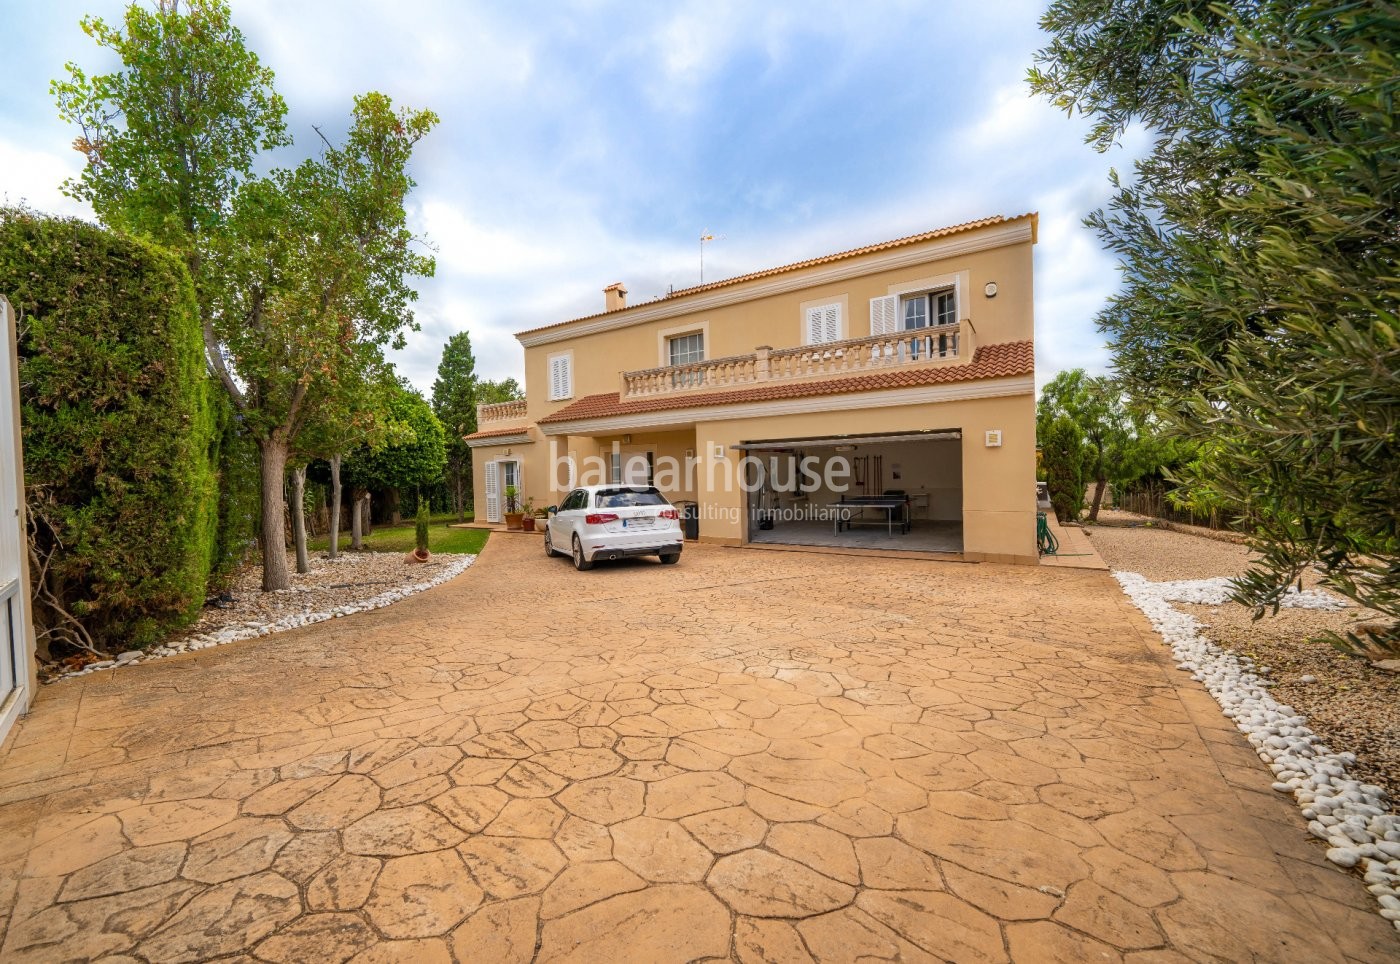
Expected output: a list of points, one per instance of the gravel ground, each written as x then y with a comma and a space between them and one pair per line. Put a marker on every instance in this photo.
1352, 705
352, 577
351, 580
1161, 554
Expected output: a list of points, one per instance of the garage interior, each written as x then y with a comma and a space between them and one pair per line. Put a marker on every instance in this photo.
901, 492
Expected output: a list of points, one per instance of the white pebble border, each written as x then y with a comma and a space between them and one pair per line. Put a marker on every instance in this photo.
1353, 817
1213, 592
451, 567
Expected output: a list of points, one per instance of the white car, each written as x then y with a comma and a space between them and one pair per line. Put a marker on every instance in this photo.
613, 521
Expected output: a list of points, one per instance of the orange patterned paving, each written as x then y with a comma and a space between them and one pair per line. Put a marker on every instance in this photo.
750, 757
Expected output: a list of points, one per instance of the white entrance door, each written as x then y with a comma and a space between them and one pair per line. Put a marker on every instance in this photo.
493, 492
15, 656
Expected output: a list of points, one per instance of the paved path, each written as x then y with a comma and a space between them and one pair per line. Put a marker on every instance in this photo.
754, 756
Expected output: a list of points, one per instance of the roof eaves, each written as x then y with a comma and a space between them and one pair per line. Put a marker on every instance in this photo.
986, 222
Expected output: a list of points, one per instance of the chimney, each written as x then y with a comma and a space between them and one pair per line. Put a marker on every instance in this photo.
614, 297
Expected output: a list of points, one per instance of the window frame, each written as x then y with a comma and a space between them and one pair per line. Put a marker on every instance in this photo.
671, 342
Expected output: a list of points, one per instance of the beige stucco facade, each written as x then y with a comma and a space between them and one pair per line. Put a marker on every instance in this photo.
764, 378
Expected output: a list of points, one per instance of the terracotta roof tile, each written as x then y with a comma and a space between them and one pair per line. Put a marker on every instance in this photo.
494, 432
990, 361
795, 266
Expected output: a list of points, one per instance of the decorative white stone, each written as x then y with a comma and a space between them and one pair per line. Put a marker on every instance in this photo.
1354, 818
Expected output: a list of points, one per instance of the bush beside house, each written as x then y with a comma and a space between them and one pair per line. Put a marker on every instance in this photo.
120, 436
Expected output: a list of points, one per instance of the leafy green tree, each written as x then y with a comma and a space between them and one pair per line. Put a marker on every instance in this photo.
170, 136
354, 416
454, 403
301, 274
503, 390
1260, 312
1088, 435
312, 286
416, 454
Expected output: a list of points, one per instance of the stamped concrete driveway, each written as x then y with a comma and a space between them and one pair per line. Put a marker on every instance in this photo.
753, 756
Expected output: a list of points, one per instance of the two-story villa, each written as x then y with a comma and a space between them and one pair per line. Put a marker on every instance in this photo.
897, 379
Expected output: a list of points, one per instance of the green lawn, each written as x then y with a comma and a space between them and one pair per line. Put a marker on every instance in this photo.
400, 539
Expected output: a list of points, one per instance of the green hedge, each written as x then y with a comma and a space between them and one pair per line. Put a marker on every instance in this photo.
120, 435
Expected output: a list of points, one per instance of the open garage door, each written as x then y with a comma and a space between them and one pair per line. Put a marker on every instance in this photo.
899, 491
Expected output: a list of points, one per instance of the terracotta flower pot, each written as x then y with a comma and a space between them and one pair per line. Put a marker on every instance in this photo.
513, 519
418, 556
527, 523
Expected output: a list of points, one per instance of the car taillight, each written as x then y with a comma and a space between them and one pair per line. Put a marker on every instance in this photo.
668, 514
598, 518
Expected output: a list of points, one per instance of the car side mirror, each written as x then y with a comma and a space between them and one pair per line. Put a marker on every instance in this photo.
552, 510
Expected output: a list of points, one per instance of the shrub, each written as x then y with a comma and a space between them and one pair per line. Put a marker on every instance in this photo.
420, 526
118, 432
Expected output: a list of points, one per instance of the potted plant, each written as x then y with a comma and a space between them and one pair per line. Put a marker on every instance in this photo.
420, 533
527, 515
513, 513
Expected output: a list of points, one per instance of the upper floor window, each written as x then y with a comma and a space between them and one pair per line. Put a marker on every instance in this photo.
685, 349
823, 324
932, 309
561, 376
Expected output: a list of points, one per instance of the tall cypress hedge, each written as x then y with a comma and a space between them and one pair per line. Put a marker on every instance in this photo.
119, 431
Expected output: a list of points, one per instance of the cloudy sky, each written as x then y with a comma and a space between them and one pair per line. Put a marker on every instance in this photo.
589, 142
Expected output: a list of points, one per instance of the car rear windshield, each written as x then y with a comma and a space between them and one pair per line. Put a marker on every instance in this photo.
627, 498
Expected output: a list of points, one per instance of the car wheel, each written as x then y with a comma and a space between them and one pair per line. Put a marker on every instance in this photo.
548, 543
670, 558
580, 563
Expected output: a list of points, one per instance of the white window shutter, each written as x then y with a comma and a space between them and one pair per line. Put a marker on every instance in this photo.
814, 326
831, 323
561, 378
572, 469
493, 493
884, 315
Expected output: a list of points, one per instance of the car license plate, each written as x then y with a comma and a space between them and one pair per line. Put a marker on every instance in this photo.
635, 523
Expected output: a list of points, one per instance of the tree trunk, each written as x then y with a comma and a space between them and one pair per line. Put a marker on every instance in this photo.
299, 517
357, 520
367, 507
334, 547
1099, 486
395, 516
272, 458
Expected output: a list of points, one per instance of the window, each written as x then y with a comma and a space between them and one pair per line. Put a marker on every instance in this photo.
628, 498
936, 310
685, 350
561, 376
689, 348
823, 324
930, 309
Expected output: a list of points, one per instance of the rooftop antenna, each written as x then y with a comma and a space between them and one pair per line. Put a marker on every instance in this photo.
707, 236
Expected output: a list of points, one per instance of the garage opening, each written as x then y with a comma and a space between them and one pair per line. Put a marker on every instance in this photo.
895, 491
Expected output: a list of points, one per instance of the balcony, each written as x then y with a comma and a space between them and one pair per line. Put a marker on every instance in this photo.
500, 414
943, 345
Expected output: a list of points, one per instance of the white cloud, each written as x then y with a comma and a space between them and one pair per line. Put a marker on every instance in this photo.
33, 176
